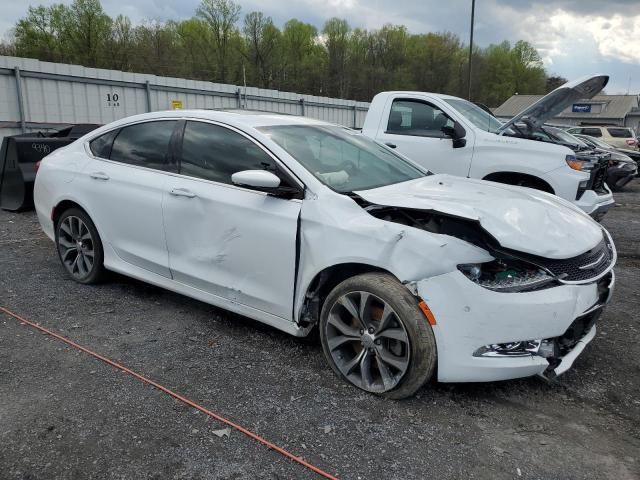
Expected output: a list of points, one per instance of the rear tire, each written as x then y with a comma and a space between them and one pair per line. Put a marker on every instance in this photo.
375, 337
79, 247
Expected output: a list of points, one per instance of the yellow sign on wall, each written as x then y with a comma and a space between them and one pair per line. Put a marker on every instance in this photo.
176, 104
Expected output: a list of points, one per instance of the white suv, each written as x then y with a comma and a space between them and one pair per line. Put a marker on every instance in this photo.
619, 137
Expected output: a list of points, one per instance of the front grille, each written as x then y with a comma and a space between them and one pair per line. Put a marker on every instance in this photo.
593, 262
582, 267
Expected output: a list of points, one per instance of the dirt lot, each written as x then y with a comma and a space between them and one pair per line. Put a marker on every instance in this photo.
64, 414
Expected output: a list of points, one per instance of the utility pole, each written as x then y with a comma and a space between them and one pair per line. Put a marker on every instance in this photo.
473, 11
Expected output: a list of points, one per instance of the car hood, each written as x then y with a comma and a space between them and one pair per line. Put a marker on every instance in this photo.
521, 219
556, 101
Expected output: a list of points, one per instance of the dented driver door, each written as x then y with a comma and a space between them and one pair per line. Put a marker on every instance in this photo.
232, 242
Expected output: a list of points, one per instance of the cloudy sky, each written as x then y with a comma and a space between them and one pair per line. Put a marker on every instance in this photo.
575, 37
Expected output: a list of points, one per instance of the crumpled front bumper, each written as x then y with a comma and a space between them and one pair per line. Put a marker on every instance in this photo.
469, 316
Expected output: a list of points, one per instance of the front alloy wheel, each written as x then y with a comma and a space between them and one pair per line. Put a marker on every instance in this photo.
375, 336
367, 341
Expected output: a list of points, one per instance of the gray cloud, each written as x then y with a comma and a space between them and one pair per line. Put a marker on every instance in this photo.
581, 7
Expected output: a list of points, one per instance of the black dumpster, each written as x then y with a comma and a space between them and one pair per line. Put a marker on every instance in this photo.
19, 155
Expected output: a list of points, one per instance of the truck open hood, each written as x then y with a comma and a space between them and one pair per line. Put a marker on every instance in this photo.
520, 219
556, 101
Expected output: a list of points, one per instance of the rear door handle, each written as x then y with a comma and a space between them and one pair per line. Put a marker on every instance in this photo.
99, 176
390, 145
182, 192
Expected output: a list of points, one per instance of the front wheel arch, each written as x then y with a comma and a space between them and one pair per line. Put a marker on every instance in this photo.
417, 359
520, 179
323, 282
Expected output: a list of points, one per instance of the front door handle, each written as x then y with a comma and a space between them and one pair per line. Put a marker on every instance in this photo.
182, 192
99, 176
390, 145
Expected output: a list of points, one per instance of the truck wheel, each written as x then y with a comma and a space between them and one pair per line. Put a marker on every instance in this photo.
375, 337
79, 247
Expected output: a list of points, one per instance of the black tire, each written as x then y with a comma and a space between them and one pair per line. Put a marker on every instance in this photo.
420, 355
74, 229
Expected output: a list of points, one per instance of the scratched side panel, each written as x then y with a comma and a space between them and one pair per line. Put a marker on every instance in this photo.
233, 243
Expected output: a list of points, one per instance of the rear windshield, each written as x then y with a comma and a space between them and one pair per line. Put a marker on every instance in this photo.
620, 132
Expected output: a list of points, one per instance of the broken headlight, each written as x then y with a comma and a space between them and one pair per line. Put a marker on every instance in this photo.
502, 275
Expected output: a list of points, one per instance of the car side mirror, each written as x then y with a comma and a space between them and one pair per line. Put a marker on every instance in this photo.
456, 133
258, 179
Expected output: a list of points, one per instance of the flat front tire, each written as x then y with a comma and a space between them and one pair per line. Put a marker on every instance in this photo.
79, 246
375, 337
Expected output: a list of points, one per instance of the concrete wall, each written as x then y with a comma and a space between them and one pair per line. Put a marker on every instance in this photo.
35, 94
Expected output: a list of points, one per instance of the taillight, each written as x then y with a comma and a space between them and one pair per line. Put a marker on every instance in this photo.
36, 167
631, 141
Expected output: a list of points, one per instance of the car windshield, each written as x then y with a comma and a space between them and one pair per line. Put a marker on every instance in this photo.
342, 159
475, 114
597, 143
566, 137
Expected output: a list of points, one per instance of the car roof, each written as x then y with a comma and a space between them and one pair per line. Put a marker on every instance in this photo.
415, 92
235, 117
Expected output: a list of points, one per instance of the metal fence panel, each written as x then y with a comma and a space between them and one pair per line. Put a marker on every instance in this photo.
56, 94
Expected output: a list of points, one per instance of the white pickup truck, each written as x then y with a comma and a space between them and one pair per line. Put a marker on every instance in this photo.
451, 135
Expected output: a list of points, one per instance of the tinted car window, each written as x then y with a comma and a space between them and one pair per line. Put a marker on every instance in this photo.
145, 144
215, 153
620, 132
593, 132
101, 146
410, 117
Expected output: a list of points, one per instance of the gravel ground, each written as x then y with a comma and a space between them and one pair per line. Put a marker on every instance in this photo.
64, 414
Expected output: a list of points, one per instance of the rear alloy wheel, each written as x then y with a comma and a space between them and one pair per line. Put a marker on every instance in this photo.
79, 246
375, 336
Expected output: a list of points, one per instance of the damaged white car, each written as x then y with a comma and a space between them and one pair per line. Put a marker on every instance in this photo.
298, 223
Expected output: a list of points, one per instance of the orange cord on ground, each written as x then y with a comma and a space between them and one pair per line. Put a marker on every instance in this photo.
175, 395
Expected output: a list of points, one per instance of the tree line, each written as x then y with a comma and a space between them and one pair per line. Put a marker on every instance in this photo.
220, 44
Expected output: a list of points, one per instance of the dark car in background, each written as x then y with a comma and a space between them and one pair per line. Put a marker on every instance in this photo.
19, 157
617, 153
620, 169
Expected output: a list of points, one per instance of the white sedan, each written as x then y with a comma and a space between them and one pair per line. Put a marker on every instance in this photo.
299, 224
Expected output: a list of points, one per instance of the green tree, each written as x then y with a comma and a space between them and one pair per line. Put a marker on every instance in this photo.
262, 39
553, 82
196, 49
85, 27
221, 16
337, 61
40, 33
303, 59
119, 46
156, 49
336, 33
528, 71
